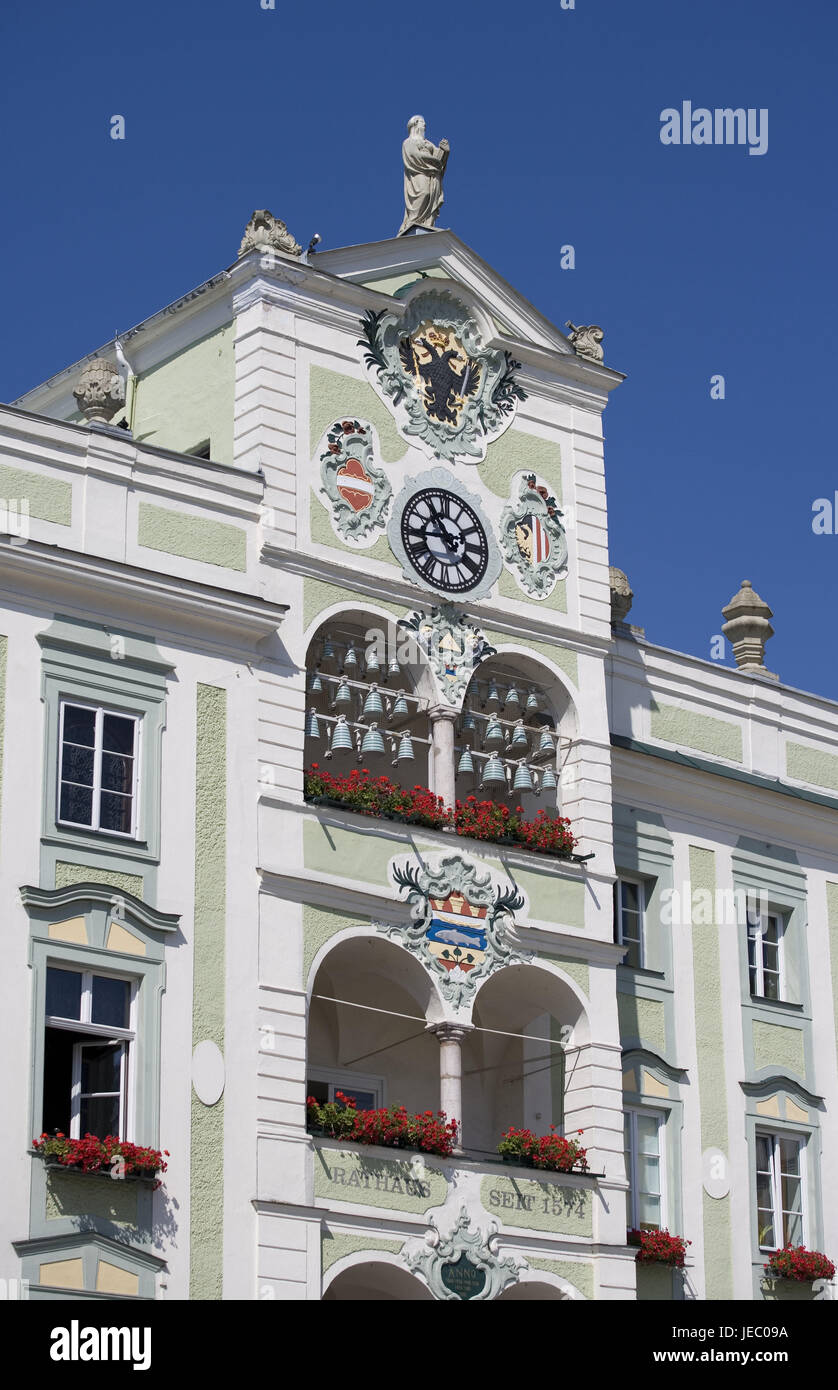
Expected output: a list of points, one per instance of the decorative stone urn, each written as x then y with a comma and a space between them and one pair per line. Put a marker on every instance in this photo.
748, 629
621, 594
99, 391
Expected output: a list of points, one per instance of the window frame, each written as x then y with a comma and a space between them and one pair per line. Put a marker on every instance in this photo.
758, 937
631, 1113
101, 711
619, 936
90, 1032
775, 1136
339, 1079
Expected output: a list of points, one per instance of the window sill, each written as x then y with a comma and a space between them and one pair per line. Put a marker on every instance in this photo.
52, 1165
783, 1005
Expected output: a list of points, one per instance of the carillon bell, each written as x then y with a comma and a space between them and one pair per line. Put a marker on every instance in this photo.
513, 700
519, 738
350, 661
493, 700
372, 741
523, 779
373, 705
400, 709
373, 663
342, 736
466, 763
546, 744
312, 725
393, 667
469, 725
494, 734
532, 701
315, 689
548, 780
493, 772
328, 649
405, 753
343, 697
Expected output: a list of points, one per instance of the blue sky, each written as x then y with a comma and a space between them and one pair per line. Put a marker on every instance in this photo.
696, 261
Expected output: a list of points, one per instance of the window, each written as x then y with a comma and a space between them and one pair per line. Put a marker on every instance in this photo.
645, 1205
87, 1046
765, 942
98, 769
779, 1190
368, 1091
629, 909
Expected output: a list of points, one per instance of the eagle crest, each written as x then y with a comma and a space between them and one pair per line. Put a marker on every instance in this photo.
443, 371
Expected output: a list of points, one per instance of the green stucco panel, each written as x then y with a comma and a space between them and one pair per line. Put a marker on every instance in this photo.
320, 924
557, 598
688, 729
395, 1184
775, 1045
560, 656
189, 398
333, 849
192, 537
337, 1247
208, 998
318, 595
517, 452
67, 874
79, 1194
655, 1283
333, 396
49, 499
390, 284
538, 1206
712, 1086
322, 534
577, 1273
576, 969
644, 1019
552, 898
813, 765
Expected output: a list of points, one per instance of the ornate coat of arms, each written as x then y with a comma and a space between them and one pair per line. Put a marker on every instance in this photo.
533, 538
464, 1265
451, 393
358, 491
458, 924
453, 647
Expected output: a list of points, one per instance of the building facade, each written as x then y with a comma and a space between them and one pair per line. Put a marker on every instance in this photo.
338, 518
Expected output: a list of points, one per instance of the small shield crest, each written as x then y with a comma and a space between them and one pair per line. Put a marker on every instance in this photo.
358, 491
533, 538
355, 486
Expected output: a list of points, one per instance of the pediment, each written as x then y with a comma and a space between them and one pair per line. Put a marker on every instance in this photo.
392, 266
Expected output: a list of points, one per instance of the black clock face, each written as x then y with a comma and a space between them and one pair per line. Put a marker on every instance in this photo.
444, 540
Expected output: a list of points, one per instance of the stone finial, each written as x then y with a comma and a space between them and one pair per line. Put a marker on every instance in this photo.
621, 594
264, 232
100, 391
747, 628
587, 340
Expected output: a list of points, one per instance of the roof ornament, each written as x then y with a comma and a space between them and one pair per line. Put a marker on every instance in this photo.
621, 594
264, 232
424, 167
587, 340
748, 629
99, 391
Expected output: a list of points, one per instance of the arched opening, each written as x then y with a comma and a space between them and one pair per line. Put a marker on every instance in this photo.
378, 1282
367, 1036
531, 1291
519, 1063
515, 736
367, 696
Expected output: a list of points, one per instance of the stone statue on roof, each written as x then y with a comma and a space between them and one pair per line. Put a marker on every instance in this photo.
424, 166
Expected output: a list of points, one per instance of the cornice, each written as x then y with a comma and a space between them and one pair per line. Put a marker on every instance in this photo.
396, 590
779, 1080
133, 909
85, 586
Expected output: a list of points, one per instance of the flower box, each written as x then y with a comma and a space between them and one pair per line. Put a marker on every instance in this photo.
796, 1263
96, 1157
658, 1247
392, 1127
551, 1153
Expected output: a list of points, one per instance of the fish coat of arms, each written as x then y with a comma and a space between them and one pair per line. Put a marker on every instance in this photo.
450, 392
458, 923
532, 537
358, 491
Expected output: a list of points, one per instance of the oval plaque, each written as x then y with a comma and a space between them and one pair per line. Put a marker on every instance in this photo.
463, 1277
208, 1072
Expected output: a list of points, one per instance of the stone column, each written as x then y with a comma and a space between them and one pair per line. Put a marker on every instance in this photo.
442, 719
450, 1037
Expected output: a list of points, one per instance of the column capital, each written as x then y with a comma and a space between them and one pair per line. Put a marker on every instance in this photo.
449, 1031
440, 712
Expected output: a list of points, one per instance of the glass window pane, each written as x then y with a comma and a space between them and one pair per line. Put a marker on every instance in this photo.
63, 993
111, 1001
117, 773
99, 1115
770, 985
771, 929
647, 1134
648, 1210
77, 764
118, 734
648, 1174
765, 1226
79, 725
115, 812
763, 1153
792, 1194
100, 1068
770, 956
632, 956
765, 1200
792, 1229
790, 1155
76, 804
630, 896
